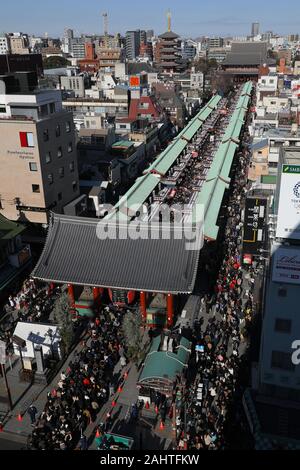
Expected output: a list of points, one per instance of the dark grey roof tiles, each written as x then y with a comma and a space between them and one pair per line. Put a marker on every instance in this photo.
74, 254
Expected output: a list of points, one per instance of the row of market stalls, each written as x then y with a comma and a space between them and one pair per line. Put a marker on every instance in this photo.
123, 253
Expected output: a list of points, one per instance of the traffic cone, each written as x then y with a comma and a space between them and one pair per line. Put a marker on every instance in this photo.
97, 433
113, 403
156, 409
19, 418
126, 375
147, 406
120, 389
161, 426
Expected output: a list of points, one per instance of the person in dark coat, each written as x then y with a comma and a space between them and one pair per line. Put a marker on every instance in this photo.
32, 411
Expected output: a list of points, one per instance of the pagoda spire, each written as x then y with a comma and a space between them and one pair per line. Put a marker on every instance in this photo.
169, 16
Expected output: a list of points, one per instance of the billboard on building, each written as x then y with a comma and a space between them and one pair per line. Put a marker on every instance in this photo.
286, 265
255, 226
134, 81
288, 223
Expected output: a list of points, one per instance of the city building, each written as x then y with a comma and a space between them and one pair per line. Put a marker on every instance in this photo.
133, 41
188, 50
273, 402
4, 45
18, 43
109, 57
38, 158
67, 40
77, 48
75, 84
245, 59
215, 43
217, 54
255, 29
15, 256
167, 53
11, 63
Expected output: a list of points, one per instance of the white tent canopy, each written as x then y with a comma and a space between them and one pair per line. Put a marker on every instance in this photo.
37, 334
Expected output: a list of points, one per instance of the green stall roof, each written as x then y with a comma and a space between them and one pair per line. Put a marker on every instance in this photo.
210, 222
165, 365
135, 196
167, 158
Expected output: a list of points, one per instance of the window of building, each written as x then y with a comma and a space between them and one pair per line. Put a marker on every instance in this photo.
43, 110
72, 167
50, 178
61, 172
36, 188
59, 152
2, 108
70, 147
33, 166
52, 108
282, 360
282, 325
282, 292
68, 127
59, 196
123, 126
26, 139
46, 135
48, 157
75, 186
57, 130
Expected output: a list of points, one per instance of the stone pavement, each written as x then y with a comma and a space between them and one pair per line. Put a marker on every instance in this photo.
17, 424
144, 430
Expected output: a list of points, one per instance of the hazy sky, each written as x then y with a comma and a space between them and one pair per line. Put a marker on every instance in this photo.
190, 18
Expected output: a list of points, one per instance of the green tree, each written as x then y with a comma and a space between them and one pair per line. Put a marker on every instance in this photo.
55, 62
63, 319
132, 331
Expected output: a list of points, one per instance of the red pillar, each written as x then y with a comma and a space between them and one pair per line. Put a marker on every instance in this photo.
143, 306
170, 310
96, 294
71, 294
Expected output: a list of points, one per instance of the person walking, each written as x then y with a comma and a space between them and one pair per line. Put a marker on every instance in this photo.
32, 411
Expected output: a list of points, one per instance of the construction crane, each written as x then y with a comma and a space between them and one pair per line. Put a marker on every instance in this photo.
105, 23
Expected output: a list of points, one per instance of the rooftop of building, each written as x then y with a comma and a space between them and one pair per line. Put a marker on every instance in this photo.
9, 230
169, 35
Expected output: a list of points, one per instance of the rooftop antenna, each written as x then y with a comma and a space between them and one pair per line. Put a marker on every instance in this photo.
169, 16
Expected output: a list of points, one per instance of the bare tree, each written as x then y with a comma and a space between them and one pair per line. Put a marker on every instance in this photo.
63, 319
132, 330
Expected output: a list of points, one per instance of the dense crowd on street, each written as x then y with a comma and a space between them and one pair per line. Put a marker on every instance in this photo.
84, 387
33, 303
202, 416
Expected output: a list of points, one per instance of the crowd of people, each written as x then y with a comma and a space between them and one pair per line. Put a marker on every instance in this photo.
201, 419
33, 303
84, 387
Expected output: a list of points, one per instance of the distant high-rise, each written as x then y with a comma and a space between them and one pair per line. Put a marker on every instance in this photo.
69, 33
133, 40
255, 29
149, 34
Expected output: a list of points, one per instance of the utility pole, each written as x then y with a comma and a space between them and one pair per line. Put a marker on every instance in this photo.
3, 370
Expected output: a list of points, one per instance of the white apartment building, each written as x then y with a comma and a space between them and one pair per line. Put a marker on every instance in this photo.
38, 157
